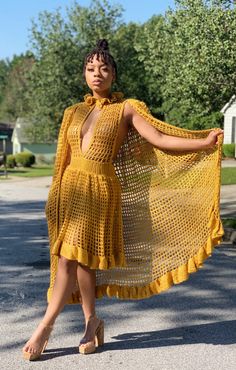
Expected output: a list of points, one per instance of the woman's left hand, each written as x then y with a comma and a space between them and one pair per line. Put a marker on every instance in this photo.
212, 138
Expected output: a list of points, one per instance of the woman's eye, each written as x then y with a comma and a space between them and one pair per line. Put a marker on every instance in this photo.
90, 69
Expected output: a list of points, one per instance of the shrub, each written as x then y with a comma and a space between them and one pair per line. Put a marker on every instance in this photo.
25, 159
229, 150
42, 159
11, 161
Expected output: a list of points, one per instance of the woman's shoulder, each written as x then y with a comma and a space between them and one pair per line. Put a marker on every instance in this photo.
73, 106
136, 104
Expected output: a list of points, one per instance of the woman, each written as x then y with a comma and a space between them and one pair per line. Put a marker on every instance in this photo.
133, 207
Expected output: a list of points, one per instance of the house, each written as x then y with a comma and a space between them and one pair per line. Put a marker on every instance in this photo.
229, 111
44, 152
6, 130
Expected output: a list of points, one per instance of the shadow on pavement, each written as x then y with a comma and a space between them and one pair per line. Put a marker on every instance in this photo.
227, 210
208, 295
217, 333
213, 333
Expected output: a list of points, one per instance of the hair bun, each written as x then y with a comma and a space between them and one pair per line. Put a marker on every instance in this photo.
103, 44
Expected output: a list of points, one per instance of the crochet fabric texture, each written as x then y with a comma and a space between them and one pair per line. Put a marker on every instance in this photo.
144, 219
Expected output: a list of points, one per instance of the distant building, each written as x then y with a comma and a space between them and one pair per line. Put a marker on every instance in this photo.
44, 152
6, 129
229, 111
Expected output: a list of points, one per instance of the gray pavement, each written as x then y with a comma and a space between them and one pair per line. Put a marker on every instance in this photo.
229, 162
192, 326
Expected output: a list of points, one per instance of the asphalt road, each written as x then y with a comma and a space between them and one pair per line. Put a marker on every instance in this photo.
192, 326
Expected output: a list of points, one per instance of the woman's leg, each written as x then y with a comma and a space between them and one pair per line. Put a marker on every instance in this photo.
87, 282
63, 287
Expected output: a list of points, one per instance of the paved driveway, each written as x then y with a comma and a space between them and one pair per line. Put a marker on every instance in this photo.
192, 326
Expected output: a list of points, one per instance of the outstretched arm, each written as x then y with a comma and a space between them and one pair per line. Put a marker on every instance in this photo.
168, 142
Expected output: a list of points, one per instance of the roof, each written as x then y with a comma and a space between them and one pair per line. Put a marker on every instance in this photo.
227, 105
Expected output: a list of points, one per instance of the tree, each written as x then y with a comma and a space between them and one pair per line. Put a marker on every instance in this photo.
200, 70
60, 46
14, 86
181, 64
100, 20
131, 77
4, 69
152, 55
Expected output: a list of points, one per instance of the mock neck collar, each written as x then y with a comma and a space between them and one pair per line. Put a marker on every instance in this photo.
115, 97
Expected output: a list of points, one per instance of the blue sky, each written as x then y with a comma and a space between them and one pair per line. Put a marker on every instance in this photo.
16, 15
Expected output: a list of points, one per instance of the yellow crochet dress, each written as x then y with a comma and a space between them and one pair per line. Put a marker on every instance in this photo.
143, 219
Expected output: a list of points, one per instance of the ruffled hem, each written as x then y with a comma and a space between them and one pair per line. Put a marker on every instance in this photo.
94, 262
176, 276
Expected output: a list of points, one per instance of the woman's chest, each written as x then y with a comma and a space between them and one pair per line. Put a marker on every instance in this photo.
92, 131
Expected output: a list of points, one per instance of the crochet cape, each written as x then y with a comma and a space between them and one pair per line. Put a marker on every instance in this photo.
170, 209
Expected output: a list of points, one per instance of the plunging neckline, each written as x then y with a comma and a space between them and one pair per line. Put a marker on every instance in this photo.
93, 133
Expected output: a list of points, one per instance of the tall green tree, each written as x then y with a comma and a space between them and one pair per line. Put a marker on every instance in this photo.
152, 55
60, 46
4, 69
181, 64
131, 76
99, 20
13, 85
54, 81
200, 71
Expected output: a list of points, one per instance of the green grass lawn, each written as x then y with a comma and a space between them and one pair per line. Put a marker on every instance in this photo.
34, 171
228, 175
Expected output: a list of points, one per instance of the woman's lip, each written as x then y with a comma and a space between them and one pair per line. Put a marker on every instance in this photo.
97, 82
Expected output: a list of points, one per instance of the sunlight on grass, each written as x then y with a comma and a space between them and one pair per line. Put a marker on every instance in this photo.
228, 175
34, 171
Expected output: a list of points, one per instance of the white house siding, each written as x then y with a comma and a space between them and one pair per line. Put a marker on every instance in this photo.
232, 108
16, 145
228, 128
229, 111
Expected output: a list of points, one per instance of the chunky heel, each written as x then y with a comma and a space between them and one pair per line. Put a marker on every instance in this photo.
36, 355
99, 335
90, 346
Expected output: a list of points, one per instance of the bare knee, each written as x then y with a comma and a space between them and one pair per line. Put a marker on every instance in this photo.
86, 268
67, 265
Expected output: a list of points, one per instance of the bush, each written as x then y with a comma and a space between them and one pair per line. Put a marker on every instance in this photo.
42, 159
202, 122
25, 159
11, 161
229, 150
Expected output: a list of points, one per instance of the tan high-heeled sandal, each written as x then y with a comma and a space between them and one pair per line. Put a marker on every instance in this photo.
31, 356
90, 347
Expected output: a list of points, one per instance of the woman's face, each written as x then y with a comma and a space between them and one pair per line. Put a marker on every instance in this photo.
99, 76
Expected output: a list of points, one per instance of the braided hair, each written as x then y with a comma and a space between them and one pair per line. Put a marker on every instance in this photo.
101, 50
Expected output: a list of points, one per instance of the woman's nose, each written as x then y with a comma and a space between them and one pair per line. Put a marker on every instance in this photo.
96, 72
